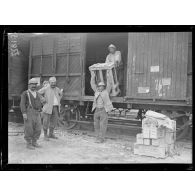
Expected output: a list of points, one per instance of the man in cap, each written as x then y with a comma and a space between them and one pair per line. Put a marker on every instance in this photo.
115, 56
31, 106
52, 95
102, 105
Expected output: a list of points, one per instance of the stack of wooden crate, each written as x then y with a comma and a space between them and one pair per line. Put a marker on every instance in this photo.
157, 138
106, 72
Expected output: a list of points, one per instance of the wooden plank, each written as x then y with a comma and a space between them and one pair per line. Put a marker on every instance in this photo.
138, 62
185, 63
30, 61
149, 61
165, 61
174, 65
145, 64
178, 67
132, 79
157, 39
170, 63
142, 75
153, 53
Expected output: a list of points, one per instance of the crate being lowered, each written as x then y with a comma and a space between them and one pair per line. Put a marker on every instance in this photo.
106, 72
158, 136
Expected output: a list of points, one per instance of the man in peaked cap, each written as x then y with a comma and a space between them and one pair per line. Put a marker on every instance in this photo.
51, 108
31, 107
102, 105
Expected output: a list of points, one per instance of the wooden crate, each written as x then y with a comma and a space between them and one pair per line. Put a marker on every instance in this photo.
158, 142
157, 133
146, 133
153, 151
147, 141
139, 138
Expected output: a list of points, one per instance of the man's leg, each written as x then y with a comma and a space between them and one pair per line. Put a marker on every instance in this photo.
103, 124
46, 119
53, 122
97, 124
28, 130
37, 129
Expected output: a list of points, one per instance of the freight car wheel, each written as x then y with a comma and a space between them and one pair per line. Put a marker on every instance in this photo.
69, 115
183, 127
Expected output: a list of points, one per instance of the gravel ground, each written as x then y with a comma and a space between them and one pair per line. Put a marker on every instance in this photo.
79, 147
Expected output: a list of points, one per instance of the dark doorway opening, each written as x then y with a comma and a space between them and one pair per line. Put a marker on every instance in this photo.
97, 50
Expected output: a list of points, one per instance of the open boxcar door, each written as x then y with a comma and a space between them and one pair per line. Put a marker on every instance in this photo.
60, 55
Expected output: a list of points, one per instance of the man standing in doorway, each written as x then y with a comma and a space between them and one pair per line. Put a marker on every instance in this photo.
52, 95
115, 56
31, 107
102, 105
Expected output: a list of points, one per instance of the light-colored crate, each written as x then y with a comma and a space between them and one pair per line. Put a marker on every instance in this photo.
139, 138
158, 142
152, 151
146, 141
146, 133
157, 133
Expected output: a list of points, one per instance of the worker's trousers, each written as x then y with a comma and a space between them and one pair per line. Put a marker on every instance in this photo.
100, 122
32, 126
50, 120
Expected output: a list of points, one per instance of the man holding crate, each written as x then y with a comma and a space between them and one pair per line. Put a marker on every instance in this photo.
102, 105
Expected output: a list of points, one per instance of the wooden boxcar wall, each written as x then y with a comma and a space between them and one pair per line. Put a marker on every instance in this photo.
157, 65
60, 55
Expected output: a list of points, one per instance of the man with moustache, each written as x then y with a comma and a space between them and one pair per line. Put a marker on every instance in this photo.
31, 107
52, 95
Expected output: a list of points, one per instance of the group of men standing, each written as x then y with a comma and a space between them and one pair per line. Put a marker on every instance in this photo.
33, 102
47, 101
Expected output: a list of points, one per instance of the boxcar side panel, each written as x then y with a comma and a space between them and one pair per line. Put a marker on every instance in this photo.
60, 56
157, 65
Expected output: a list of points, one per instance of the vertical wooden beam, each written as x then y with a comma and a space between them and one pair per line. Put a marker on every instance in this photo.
54, 53
101, 76
30, 60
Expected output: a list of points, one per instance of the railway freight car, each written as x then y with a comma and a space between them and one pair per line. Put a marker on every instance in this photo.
18, 54
157, 72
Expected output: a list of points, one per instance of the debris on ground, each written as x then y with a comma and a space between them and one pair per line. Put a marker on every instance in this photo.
76, 147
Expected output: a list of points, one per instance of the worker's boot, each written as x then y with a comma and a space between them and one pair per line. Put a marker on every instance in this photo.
29, 146
36, 145
51, 134
46, 138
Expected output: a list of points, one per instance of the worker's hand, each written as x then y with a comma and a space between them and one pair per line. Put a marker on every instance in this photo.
116, 64
92, 73
25, 116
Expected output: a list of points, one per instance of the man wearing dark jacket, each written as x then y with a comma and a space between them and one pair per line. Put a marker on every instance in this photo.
31, 107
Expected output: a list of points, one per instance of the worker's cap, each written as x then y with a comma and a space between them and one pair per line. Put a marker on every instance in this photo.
33, 81
52, 79
111, 46
101, 84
